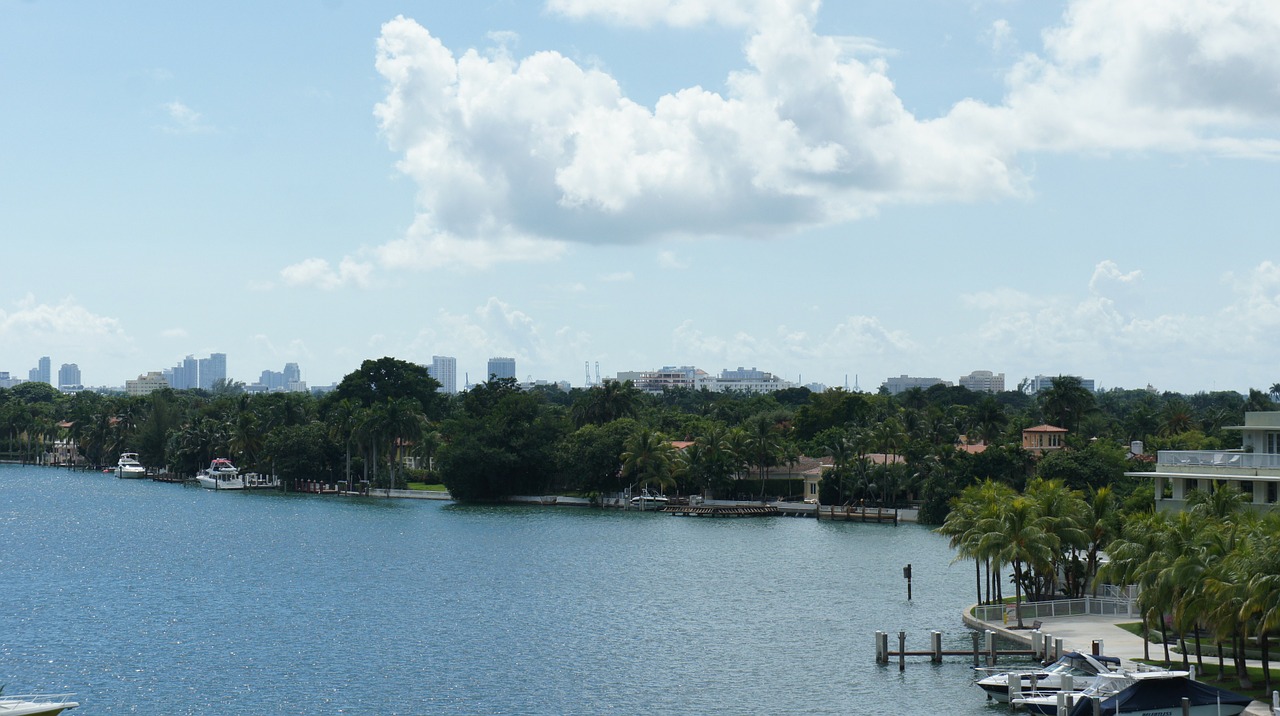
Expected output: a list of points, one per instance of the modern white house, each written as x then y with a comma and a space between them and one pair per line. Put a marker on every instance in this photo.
1254, 468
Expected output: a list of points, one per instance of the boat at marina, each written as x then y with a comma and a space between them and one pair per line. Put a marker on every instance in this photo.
221, 475
1080, 666
36, 704
1163, 697
649, 501
1102, 686
128, 467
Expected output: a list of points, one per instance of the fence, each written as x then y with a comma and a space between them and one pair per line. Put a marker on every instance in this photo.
1096, 606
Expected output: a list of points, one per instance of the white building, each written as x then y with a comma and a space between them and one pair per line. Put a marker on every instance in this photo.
146, 383
1253, 469
748, 381
904, 382
983, 381
445, 370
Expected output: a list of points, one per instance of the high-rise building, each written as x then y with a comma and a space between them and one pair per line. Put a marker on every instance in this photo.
43, 372
502, 368
212, 370
1044, 382
983, 381
445, 370
903, 383
69, 378
185, 375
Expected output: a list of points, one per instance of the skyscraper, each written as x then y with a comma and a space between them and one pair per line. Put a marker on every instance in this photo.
502, 368
445, 370
212, 370
69, 377
43, 372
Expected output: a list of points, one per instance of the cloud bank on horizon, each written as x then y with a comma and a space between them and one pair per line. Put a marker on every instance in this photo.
516, 160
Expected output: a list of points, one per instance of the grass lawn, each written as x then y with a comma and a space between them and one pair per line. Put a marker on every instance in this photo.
1210, 674
425, 486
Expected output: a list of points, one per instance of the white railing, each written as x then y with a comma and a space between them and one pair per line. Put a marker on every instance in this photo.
1057, 608
1218, 458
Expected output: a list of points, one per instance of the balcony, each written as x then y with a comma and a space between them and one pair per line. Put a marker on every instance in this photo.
1221, 459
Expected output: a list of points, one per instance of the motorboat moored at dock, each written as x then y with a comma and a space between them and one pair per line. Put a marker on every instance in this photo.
221, 475
129, 468
1076, 664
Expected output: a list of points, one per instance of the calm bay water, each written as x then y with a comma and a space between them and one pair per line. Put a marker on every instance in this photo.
146, 598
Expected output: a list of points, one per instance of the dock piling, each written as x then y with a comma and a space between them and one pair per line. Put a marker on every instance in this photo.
991, 648
902, 651
1057, 649
936, 638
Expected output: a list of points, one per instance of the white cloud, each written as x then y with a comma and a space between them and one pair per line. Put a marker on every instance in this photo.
174, 333
62, 324
1000, 35
318, 273
541, 148
184, 120
618, 277
1179, 75
514, 156
668, 259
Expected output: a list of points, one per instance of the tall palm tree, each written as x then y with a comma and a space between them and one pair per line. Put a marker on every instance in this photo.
1066, 401
1020, 536
647, 459
765, 447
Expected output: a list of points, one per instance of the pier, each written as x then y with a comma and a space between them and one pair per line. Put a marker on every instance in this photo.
849, 513
721, 510
984, 649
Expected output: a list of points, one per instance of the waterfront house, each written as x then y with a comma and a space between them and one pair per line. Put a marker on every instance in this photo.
1254, 468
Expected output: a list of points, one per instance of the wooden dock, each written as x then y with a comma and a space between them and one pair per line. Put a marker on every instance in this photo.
721, 510
984, 649
850, 513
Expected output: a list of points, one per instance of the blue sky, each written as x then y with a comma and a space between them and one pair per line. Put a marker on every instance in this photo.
818, 190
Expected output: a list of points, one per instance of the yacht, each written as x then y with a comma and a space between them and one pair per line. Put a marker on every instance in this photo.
36, 704
1103, 686
129, 468
649, 501
1080, 666
221, 475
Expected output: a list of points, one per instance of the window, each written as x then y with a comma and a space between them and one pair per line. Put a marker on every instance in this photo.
1189, 486
1246, 486
1271, 492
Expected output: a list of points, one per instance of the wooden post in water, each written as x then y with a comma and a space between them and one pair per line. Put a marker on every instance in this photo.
902, 651
991, 648
906, 572
884, 645
1186, 706
1047, 648
976, 650
1097, 706
882, 648
1057, 649
937, 647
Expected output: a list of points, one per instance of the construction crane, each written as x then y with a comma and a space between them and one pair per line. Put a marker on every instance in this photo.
598, 373
588, 381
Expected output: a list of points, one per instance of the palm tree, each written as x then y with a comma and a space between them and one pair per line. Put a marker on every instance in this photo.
343, 421
765, 447
1019, 535
1065, 402
647, 459
606, 402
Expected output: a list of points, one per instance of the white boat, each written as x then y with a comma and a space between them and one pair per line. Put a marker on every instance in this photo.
1102, 686
1080, 666
221, 475
649, 501
36, 704
128, 466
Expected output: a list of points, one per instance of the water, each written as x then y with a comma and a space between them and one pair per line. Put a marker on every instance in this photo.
146, 598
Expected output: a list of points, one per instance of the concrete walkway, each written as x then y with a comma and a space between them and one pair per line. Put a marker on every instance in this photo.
1079, 632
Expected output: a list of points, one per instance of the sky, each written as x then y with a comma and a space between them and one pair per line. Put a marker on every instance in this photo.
833, 192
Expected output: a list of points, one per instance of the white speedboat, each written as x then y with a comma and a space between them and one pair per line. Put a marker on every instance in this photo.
1102, 686
649, 501
221, 475
36, 704
1080, 666
128, 466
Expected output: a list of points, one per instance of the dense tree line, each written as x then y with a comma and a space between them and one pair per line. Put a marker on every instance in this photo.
497, 440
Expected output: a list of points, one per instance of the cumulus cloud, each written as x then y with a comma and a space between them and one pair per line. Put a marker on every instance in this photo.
506, 149
65, 323
514, 157
1181, 75
318, 273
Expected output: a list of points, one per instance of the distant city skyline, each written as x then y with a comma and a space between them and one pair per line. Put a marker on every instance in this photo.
819, 189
